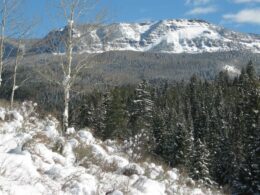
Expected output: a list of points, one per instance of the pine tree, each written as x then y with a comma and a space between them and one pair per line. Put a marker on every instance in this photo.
167, 143
198, 108
140, 122
183, 145
249, 177
159, 128
86, 115
200, 169
100, 115
115, 117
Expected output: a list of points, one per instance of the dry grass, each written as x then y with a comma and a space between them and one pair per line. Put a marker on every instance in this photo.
109, 167
83, 155
39, 137
6, 103
85, 158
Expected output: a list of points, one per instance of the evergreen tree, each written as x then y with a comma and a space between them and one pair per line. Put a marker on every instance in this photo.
200, 169
159, 128
249, 177
167, 144
140, 122
100, 116
183, 145
198, 109
115, 117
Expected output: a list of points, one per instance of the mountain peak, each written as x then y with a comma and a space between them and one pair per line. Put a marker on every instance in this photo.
163, 36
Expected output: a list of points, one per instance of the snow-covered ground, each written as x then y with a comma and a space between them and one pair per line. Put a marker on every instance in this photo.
36, 159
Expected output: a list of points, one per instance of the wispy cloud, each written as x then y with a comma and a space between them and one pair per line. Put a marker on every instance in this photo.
202, 10
246, 1
251, 16
197, 2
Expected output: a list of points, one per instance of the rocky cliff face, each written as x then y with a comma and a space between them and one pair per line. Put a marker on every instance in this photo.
166, 36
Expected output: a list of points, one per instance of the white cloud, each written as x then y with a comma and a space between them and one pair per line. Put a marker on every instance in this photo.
246, 1
197, 2
245, 16
198, 9
202, 10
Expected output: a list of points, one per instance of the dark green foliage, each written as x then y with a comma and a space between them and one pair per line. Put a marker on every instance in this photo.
200, 167
209, 128
141, 118
116, 115
249, 173
183, 145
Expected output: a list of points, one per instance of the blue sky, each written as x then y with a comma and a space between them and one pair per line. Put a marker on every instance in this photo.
239, 15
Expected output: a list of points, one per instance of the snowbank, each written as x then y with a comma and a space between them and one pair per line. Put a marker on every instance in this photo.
36, 159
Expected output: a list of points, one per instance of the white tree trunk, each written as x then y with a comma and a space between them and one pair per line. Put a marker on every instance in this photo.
2, 39
66, 109
15, 87
14, 82
67, 76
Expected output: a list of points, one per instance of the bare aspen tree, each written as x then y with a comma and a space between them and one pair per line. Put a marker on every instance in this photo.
20, 31
67, 68
71, 11
19, 56
7, 8
3, 24
14, 87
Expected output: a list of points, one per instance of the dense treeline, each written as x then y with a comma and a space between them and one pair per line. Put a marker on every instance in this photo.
126, 67
211, 129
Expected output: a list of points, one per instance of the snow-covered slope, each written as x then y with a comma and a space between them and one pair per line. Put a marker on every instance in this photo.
166, 36
36, 159
233, 71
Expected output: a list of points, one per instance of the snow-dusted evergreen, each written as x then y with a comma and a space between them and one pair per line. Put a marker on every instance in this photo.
140, 122
200, 163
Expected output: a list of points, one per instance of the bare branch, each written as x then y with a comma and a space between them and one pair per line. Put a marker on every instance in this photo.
69, 69
48, 78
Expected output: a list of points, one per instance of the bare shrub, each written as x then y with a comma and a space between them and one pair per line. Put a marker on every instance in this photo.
109, 167
83, 153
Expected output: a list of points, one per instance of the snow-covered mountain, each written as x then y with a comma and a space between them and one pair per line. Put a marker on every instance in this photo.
36, 159
165, 36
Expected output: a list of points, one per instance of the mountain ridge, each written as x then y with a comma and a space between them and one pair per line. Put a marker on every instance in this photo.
163, 36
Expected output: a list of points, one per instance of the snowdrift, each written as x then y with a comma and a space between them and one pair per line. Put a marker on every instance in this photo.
36, 159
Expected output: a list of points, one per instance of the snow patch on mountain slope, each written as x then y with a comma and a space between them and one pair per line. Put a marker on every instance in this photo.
231, 69
36, 159
166, 36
